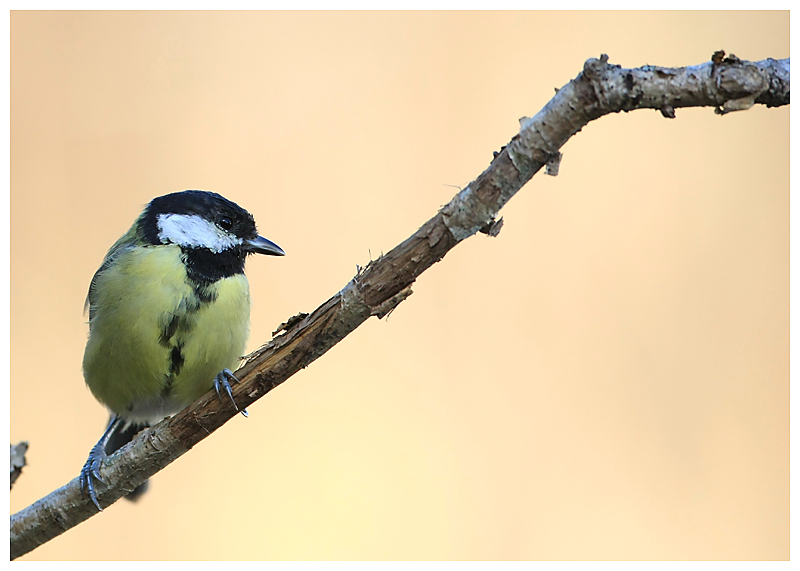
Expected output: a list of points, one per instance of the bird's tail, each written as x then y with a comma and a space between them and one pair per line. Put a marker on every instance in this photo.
119, 438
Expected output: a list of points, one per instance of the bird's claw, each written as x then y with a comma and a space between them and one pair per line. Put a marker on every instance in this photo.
222, 380
91, 472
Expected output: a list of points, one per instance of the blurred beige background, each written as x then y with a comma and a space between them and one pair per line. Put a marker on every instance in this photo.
607, 379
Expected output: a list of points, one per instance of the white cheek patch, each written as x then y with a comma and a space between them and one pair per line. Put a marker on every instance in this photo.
192, 231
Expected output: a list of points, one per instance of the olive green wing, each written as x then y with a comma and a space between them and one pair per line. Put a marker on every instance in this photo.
129, 240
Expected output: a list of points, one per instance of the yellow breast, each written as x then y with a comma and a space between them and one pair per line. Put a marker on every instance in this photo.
155, 342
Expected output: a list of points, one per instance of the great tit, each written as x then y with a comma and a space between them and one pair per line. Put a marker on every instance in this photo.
169, 315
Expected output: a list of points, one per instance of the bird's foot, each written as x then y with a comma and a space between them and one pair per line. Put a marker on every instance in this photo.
91, 471
222, 380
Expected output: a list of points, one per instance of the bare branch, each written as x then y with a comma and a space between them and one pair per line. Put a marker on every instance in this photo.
727, 84
17, 460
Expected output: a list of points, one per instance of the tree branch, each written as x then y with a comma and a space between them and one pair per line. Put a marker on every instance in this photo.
17, 460
727, 84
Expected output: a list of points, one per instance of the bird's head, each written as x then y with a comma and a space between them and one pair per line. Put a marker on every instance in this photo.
200, 220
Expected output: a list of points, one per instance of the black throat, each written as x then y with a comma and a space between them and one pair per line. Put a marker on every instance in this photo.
204, 267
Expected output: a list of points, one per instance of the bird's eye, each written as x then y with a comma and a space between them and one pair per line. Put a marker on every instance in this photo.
225, 223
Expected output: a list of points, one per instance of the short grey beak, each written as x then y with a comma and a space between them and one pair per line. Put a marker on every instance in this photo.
260, 245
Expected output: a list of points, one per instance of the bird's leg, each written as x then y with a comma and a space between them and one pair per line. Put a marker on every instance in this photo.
221, 380
91, 469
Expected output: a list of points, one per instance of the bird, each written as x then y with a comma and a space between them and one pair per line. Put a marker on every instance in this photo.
169, 315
